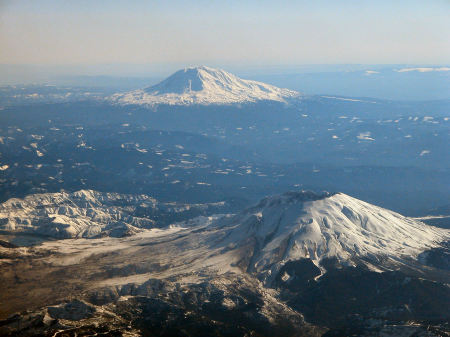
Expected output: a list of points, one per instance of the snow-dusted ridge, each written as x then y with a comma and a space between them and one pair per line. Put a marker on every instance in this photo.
88, 214
204, 86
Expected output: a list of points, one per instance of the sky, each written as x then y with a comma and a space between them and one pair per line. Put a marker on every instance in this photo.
67, 33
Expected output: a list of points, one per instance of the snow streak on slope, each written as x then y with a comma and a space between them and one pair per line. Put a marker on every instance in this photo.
305, 225
204, 85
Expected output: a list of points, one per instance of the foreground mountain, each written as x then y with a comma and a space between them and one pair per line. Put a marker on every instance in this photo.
297, 264
322, 227
203, 85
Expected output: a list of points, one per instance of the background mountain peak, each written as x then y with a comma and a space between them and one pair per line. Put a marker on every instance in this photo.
204, 85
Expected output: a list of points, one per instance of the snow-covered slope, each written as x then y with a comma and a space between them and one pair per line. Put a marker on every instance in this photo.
300, 225
204, 85
280, 228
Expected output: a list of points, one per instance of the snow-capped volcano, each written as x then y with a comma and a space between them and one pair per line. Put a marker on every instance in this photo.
304, 225
204, 85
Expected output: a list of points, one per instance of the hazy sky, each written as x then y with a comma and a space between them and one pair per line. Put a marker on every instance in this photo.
260, 32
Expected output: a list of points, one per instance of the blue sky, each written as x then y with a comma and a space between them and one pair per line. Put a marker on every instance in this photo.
212, 32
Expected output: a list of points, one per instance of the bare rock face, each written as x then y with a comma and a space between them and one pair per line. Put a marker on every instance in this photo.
214, 308
72, 311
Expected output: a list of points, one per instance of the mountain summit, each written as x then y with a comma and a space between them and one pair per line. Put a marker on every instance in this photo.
204, 85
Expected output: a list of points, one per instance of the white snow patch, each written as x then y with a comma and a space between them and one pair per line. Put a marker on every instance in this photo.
423, 69
365, 136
